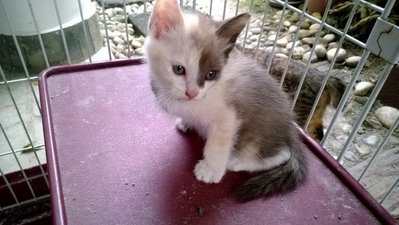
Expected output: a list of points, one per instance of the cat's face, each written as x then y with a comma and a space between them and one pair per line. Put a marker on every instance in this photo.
186, 61
187, 53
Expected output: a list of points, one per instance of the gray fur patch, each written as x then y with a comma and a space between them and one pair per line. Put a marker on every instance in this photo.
263, 108
212, 58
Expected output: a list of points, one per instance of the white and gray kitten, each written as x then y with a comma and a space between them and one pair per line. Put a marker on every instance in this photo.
198, 75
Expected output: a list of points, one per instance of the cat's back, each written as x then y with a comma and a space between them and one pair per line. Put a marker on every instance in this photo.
252, 89
245, 76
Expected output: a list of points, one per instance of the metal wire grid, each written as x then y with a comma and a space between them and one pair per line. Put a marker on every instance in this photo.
385, 12
28, 79
323, 25
26, 179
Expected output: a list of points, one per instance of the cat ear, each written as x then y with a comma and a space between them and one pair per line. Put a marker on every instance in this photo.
166, 15
232, 28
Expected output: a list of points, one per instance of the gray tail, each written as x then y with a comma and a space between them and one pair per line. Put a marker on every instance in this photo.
281, 178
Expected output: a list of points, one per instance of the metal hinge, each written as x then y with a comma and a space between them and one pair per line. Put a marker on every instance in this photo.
384, 41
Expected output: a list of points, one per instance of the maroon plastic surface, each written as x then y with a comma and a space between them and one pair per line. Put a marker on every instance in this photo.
115, 158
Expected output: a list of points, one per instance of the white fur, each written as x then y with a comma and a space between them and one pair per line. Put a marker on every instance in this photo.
250, 163
217, 122
220, 140
180, 125
190, 22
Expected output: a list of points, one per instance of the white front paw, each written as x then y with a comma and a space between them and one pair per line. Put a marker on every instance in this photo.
181, 125
204, 172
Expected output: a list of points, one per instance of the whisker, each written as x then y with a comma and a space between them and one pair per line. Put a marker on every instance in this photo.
177, 89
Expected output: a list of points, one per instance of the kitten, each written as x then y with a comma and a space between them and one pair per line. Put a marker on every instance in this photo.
331, 94
198, 75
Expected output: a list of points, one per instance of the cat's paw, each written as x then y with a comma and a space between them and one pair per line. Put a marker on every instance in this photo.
181, 125
204, 172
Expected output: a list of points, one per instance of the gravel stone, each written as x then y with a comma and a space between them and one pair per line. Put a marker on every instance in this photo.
362, 88
387, 115
352, 61
290, 44
329, 37
293, 29
286, 23
341, 56
308, 40
315, 26
306, 57
320, 51
272, 37
282, 42
256, 30
298, 52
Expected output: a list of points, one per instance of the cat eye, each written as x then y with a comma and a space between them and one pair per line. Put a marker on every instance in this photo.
211, 75
179, 69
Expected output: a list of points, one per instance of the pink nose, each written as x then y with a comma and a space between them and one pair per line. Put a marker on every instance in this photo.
191, 93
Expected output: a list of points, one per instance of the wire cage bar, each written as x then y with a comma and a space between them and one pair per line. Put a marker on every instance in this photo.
64, 42
24, 126
380, 147
18, 47
307, 67
19, 165
87, 39
39, 36
366, 109
221, 10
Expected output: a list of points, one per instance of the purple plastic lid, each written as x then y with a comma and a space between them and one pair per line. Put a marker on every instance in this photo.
115, 158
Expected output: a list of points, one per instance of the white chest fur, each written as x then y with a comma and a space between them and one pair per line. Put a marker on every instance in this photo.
212, 110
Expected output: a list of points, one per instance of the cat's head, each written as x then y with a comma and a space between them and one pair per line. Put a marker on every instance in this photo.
187, 52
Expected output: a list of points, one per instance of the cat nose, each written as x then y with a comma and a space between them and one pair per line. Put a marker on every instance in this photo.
191, 93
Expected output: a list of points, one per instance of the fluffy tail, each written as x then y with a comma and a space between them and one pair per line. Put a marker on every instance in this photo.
281, 178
